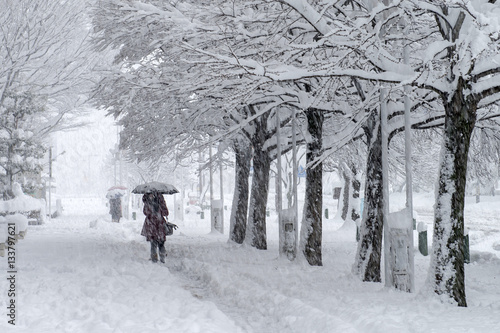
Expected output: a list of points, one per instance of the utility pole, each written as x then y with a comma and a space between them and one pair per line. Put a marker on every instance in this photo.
279, 205
385, 186
221, 174
295, 175
408, 169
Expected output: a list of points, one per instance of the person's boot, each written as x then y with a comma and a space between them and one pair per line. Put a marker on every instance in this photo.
154, 257
163, 252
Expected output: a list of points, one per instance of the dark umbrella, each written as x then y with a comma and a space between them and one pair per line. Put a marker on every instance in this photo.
155, 187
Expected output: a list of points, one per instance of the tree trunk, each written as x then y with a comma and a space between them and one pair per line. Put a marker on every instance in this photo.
369, 253
239, 210
256, 226
447, 265
311, 230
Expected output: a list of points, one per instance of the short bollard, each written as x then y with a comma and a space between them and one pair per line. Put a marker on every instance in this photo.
422, 238
326, 213
202, 215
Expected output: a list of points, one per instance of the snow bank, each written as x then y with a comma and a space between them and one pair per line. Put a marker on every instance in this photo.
19, 220
22, 202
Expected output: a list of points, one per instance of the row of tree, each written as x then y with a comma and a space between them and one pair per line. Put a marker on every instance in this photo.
192, 73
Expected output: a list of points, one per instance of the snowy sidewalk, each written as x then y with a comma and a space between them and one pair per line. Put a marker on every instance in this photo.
72, 278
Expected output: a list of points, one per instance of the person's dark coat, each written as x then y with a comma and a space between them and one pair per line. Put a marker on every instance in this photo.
115, 208
155, 209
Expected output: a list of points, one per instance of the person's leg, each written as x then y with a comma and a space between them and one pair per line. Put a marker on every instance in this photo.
154, 255
163, 251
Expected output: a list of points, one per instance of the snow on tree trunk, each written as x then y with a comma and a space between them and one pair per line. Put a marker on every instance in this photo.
447, 265
238, 219
256, 226
369, 253
311, 230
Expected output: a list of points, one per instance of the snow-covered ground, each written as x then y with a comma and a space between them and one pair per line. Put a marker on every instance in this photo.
82, 273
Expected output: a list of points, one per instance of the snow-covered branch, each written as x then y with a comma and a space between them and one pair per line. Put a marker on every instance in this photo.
283, 73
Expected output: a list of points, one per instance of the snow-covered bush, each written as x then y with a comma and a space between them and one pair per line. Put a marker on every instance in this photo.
23, 204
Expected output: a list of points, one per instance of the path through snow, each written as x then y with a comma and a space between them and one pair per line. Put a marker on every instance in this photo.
73, 278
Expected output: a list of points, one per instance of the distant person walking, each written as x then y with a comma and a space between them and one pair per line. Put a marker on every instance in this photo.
154, 228
115, 209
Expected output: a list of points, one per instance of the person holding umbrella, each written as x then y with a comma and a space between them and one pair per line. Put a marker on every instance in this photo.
115, 209
115, 202
156, 212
